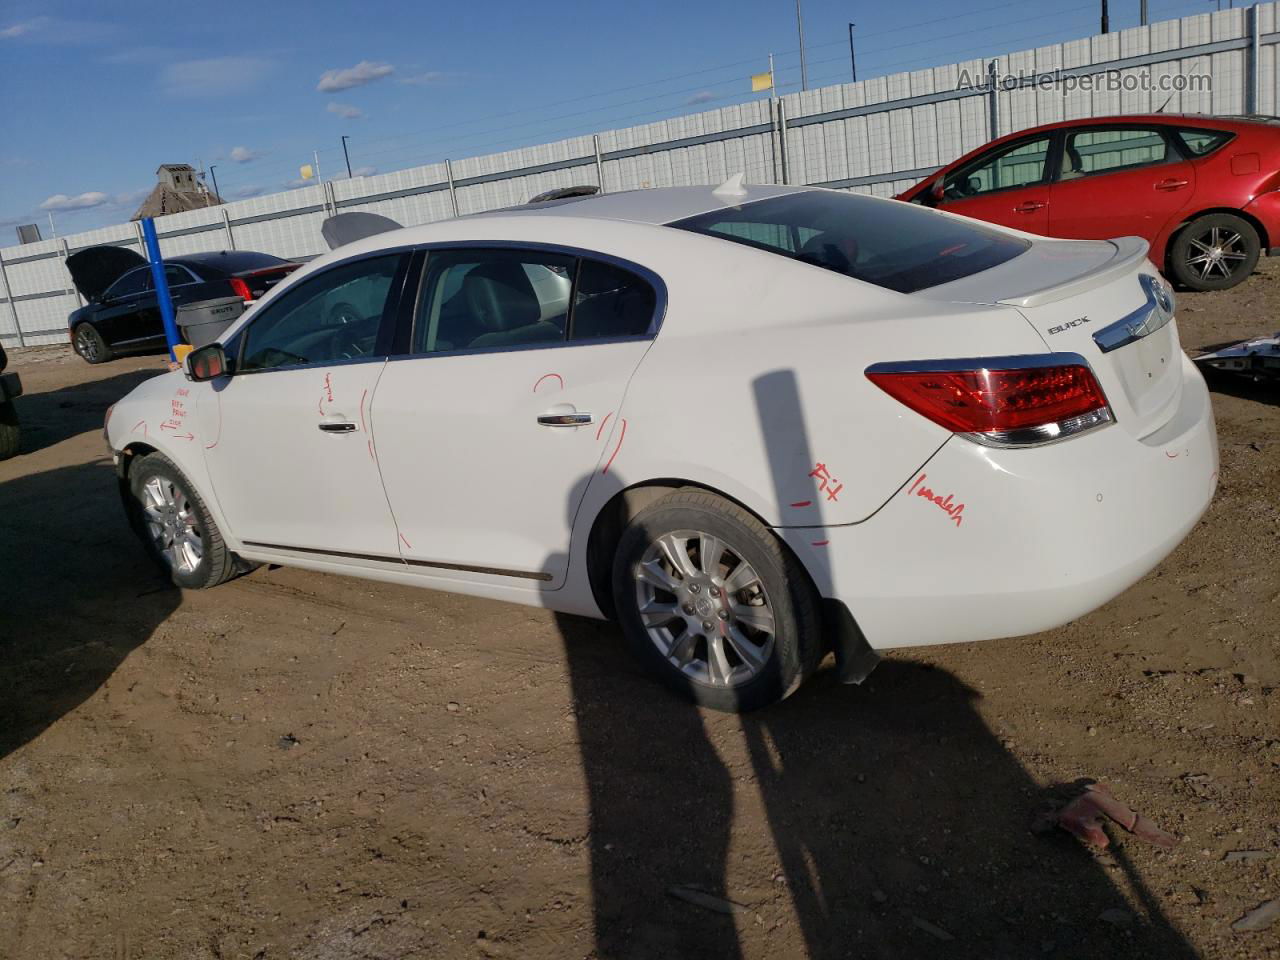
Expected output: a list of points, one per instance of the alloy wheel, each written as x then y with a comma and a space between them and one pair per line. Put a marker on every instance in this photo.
172, 523
705, 608
86, 344
1216, 253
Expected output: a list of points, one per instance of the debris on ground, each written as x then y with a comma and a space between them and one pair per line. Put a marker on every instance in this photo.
931, 929
1083, 817
1255, 359
705, 900
1235, 856
1259, 918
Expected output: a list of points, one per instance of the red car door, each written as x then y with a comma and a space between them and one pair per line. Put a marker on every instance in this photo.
1010, 185
1118, 181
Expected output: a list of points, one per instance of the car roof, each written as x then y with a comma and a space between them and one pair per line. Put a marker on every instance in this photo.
659, 205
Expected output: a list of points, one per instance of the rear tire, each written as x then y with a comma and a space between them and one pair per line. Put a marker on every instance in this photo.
1214, 252
88, 343
175, 526
9, 431
734, 632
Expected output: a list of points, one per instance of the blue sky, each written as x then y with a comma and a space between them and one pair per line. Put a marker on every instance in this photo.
95, 96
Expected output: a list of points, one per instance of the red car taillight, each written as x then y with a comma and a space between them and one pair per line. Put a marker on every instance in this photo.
1008, 401
241, 289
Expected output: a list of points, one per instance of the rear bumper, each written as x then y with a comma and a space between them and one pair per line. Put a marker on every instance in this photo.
1265, 208
10, 387
1011, 542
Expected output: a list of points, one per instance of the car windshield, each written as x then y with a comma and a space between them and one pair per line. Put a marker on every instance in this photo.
894, 245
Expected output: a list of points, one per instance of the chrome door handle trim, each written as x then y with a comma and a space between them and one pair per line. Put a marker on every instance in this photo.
565, 419
337, 426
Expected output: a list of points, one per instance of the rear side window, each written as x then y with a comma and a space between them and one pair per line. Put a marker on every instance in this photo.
136, 281
899, 246
1200, 143
1092, 150
609, 301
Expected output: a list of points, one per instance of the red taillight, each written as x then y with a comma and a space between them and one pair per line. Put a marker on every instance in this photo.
241, 289
1013, 404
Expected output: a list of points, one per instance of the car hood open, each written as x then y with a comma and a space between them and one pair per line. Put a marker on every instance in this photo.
93, 269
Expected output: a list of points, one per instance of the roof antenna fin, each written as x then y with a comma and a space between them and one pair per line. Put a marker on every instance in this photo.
732, 187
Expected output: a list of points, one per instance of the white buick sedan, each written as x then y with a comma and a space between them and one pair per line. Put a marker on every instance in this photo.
753, 424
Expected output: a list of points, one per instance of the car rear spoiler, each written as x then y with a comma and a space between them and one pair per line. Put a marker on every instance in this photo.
1130, 252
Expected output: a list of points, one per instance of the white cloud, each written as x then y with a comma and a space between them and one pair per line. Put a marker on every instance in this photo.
702, 96
299, 182
366, 71
216, 76
60, 201
243, 155
364, 171
18, 29
424, 79
244, 193
131, 198
345, 110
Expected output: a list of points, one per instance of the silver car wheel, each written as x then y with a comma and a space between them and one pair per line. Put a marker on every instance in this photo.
705, 608
86, 345
171, 522
1216, 251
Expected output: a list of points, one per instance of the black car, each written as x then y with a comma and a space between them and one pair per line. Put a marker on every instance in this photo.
123, 315
10, 387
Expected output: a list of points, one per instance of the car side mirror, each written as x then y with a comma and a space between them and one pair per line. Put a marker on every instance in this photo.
936, 190
208, 363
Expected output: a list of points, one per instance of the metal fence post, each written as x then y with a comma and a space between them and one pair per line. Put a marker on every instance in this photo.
226, 223
595, 140
66, 252
453, 193
994, 101
782, 140
142, 242
13, 307
1251, 97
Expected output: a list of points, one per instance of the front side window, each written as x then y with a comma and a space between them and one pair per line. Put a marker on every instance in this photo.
133, 283
1092, 150
335, 315
1021, 164
1200, 143
899, 246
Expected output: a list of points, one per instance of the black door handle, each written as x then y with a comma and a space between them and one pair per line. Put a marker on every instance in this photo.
337, 426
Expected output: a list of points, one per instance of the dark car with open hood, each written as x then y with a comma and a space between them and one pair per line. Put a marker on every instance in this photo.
123, 311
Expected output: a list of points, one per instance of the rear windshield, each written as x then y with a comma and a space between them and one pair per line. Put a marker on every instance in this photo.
899, 246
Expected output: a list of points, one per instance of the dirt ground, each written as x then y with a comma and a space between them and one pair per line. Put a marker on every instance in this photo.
301, 765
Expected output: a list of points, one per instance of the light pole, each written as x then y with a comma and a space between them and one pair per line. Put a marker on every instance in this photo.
1106, 20
216, 195
804, 69
853, 64
345, 138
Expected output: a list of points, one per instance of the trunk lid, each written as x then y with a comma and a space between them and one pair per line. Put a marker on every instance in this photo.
93, 269
1103, 300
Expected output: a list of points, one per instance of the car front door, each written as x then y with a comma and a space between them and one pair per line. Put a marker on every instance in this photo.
1009, 185
508, 404
1119, 181
292, 458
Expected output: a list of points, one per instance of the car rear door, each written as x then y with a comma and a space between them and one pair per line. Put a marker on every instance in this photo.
1118, 181
291, 459
1009, 185
507, 405
117, 317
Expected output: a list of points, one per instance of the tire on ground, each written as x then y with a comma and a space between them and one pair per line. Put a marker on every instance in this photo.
102, 352
218, 564
1182, 248
9, 431
797, 646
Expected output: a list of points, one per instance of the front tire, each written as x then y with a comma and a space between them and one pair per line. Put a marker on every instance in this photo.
88, 343
711, 601
175, 526
9, 431
1214, 252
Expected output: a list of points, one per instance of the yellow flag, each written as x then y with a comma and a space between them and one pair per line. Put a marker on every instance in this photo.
306, 171
761, 81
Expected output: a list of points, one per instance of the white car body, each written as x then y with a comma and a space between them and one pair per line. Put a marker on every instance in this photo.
755, 377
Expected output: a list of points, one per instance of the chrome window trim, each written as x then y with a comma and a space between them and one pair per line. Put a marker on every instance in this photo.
1019, 361
1142, 322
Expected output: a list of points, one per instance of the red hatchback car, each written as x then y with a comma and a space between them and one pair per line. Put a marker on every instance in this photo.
1203, 191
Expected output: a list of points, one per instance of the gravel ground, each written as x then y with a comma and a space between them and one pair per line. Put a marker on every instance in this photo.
302, 765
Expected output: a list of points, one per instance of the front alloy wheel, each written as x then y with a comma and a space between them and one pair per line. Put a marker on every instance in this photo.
171, 521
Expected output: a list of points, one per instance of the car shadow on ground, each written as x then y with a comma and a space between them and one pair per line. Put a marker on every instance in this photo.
49, 418
898, 821
1259, 391
77, 593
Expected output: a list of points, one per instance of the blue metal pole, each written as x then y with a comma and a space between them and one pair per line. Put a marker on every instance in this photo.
161, 284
